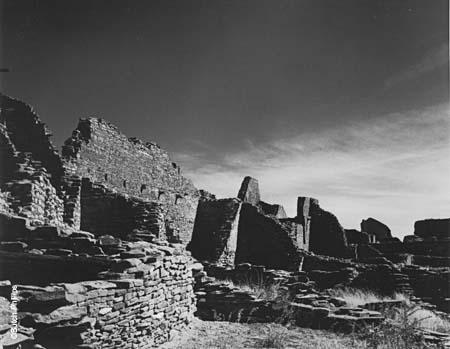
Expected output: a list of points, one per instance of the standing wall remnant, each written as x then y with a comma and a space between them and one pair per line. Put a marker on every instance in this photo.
99, 151
375, 227
246, 229
326, 235
216, 231
107, 212
249, 191
433, 228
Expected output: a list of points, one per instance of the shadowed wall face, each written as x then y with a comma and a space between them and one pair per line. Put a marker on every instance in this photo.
216, 231
98, 151
326, 235
263, 240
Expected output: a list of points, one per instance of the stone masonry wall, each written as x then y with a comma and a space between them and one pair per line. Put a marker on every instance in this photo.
76, 290
216, 231
30, 135
326, 235
99, 151
429, 228
263, 240
32, 195
106, 212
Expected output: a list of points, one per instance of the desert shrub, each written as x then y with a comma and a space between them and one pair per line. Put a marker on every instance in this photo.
273, 336
401, 330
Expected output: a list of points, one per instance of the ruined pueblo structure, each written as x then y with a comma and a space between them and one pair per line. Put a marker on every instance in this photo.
107, 245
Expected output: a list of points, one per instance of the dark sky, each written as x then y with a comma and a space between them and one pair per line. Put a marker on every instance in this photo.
219, 72
210, 79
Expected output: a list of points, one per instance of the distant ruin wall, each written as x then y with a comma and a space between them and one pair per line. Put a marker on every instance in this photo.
264, 240
99, 151
429, 228
326, 235
374, 227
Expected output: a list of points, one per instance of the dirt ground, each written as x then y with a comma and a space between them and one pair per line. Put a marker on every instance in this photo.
220, 334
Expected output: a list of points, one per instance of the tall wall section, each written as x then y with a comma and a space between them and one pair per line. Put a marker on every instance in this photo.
326, 235
99, 151
30, 167
30, 135
216, 231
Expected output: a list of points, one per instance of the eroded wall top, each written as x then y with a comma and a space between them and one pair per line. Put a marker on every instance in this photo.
99, 151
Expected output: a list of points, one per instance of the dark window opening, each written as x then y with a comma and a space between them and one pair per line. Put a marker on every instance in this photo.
143, 187
124, 184
106, 176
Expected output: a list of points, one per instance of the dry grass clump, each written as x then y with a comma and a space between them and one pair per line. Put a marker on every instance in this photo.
356, 297
417, 317
261, 289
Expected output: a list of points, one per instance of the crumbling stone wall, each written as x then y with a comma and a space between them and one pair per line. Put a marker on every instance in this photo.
433, 228
377, 228
30, 166
220, 219
274, 210
354, 236
76, 289
99, 151
249, 191
326, 235
246, 229
30, 135
432, 286
263, 240
106, 212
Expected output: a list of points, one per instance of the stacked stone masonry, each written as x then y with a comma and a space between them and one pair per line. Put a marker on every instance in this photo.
77, 291
99, 151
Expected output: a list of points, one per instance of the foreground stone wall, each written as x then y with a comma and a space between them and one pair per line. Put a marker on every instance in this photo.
79, 291
99, 151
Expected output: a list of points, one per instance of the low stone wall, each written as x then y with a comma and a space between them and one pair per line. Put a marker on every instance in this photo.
438, 248
76, 290
106, 212
126, 313
254, 294
430, 285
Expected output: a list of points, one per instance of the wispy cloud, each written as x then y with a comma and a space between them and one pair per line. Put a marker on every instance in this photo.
433, 59
395, 168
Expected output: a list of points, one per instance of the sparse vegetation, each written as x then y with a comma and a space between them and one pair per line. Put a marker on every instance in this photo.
356, 297
273, 337
260, 288
406, 316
